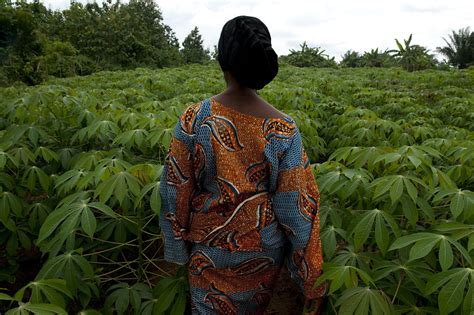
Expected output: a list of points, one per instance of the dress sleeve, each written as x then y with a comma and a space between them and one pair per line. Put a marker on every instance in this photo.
296, 205
176, 188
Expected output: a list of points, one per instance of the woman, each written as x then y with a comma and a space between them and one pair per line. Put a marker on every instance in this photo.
237, 187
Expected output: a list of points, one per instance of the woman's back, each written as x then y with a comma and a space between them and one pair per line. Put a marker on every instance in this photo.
235, 159
241, 185
237, 187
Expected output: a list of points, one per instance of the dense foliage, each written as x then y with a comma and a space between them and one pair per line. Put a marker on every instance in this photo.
193, 50
308, 57
36, 42
413, 57
373, 58
393, 154
460, 48
410, 57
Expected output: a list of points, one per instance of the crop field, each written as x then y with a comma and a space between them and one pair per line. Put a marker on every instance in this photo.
392, 152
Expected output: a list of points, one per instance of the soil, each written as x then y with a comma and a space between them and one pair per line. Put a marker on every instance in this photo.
29, 263
287, 298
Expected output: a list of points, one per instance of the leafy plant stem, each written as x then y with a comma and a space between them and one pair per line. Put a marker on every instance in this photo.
111, 248
140, 244
398, 287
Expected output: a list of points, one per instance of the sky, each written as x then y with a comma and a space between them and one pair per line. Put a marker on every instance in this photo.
336, 26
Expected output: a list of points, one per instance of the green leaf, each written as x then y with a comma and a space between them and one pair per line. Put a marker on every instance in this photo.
363, 307
468, 305
135, 299
47, 154
457, 204
406, 240
84, 265
155, 201
44, 309
363, 228
103, 208
53, 220
88, 222
53, 297
89, 312
451, 295
391, 221
441, 278
423, 247
179, 305
165, 299
20, 293
52, 268
397, 189
9, 203
461, 249
340, 275
409, 209
412, 191
362, 301
328, 239
155, 198
382, 185
425, 208
121, 185
57, 284
122, 301
470, 243
381, 234
414, 160
5, 297
445, 254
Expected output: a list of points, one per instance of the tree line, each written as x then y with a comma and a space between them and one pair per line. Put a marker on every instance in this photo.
459, 53
36, 42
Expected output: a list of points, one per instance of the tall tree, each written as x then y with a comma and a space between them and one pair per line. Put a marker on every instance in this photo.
36, 42
19, 41
193, 50
460, 48
121, 35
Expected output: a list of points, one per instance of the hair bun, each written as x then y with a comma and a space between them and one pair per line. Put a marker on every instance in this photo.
245, 51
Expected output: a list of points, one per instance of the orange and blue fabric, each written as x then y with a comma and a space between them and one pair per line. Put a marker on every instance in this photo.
238, 196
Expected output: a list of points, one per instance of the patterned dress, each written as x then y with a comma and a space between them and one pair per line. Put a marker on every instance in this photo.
238, 196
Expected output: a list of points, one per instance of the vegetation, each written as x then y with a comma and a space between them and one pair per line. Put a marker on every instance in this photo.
460, 48
373, 58
308, 57
393, 154
351, 59
36, 42
409, 57
413, 57
193, 50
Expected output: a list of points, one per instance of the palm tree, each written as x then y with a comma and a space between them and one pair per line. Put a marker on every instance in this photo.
378, 59
412, 57
351, 59
460, 48
309, 57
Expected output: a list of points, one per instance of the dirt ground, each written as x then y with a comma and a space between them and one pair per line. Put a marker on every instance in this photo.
287, 298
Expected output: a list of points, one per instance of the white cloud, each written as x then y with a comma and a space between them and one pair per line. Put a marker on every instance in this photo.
336, 26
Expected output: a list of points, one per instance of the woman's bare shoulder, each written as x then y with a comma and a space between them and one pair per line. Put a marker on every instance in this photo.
270, 111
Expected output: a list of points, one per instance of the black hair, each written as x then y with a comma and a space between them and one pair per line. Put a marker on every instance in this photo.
245, 50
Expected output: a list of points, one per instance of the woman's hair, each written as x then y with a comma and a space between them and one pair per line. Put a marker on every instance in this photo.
245, 50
